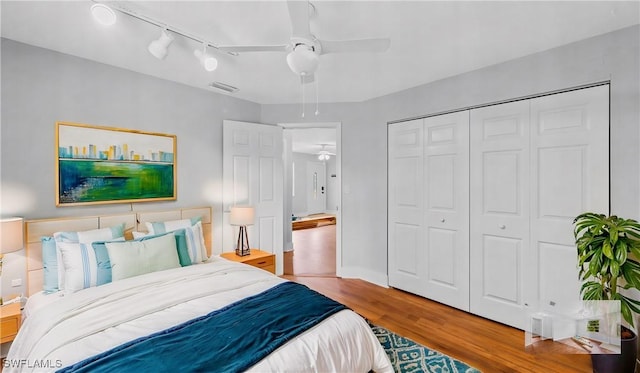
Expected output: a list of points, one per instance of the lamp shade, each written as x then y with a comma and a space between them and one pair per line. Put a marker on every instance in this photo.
241, 215
11, 236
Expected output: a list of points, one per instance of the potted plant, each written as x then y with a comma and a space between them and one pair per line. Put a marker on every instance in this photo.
607, 246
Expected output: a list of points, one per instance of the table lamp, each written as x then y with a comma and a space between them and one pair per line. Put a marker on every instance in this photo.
242, 216
11, 236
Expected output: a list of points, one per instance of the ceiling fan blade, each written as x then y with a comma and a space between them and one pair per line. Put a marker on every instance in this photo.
354, 46
299, 16
253, 48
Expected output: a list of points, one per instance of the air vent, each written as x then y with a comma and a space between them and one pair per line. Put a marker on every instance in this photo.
224, 87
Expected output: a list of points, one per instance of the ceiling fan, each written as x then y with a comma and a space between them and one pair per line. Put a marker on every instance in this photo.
324, 154
304, 49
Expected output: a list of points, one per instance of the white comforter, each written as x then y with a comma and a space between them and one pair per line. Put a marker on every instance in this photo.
88, 322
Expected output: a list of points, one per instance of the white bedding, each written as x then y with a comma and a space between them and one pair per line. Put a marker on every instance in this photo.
83, 324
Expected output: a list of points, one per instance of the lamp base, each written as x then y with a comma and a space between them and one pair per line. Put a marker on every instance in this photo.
242, 247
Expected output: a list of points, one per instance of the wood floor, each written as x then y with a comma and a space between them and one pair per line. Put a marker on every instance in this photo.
484, 344
481, 343
314, 252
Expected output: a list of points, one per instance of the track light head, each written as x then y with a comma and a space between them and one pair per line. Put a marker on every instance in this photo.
103, 14
207, 61
160, 47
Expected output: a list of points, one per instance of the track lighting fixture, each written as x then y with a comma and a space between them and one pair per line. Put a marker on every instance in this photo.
103, 14
207, 61
159, 48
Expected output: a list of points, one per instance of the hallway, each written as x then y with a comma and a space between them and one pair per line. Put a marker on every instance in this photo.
314, 252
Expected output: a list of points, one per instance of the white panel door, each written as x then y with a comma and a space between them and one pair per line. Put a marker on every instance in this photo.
406, 256
547, 163
446, 208
316, 187
253, 175
499, 211
570, 156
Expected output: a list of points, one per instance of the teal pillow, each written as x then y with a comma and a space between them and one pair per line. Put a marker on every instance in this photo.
181, 246
49, 264
104, 264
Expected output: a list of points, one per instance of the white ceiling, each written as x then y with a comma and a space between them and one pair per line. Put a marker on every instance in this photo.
430, 40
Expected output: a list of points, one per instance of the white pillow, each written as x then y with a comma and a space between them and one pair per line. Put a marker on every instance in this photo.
115, 233
133, 258
195, 243
80, 266
137, 235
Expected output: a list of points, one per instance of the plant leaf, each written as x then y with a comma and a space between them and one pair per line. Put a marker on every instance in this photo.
606, 249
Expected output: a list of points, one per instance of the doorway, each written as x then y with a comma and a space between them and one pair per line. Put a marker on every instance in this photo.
312, 199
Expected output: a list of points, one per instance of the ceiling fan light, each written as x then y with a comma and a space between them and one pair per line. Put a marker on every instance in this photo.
302, 61
160, 47
103, 14
323, 157
207, 61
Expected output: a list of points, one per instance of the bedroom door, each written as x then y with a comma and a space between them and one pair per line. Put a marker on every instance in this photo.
253, 175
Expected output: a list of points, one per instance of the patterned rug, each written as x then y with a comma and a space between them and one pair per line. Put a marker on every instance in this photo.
408, 356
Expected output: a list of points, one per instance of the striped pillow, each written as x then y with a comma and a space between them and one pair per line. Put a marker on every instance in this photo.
195, 243
115, 233
80, 267
193, 232
171, 225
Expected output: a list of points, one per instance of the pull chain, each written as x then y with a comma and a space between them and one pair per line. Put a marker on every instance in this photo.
302, 85
317, 104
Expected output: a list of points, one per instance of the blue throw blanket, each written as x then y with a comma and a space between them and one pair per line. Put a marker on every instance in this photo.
230, 339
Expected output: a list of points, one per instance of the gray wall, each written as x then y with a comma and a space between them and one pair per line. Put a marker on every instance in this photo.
611, 57
40, 87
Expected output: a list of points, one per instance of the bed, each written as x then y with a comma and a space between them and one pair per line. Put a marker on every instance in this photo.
214, 315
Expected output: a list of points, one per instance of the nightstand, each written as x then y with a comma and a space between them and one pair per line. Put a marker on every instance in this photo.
258, 258
10, 319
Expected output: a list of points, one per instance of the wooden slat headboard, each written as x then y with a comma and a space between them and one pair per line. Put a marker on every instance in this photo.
134, 221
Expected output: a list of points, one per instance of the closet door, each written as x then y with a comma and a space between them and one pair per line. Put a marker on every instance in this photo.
446, 208
570, 156
499, 211
535, 165
405, 239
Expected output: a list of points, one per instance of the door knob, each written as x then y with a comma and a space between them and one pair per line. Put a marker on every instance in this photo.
442, 220
502, 226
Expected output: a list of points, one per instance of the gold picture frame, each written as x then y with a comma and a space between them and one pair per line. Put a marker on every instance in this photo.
101, 165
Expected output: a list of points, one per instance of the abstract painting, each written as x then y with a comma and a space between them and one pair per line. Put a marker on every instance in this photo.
97, 165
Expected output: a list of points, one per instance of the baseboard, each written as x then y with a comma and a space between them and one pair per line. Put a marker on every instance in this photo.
376, 278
